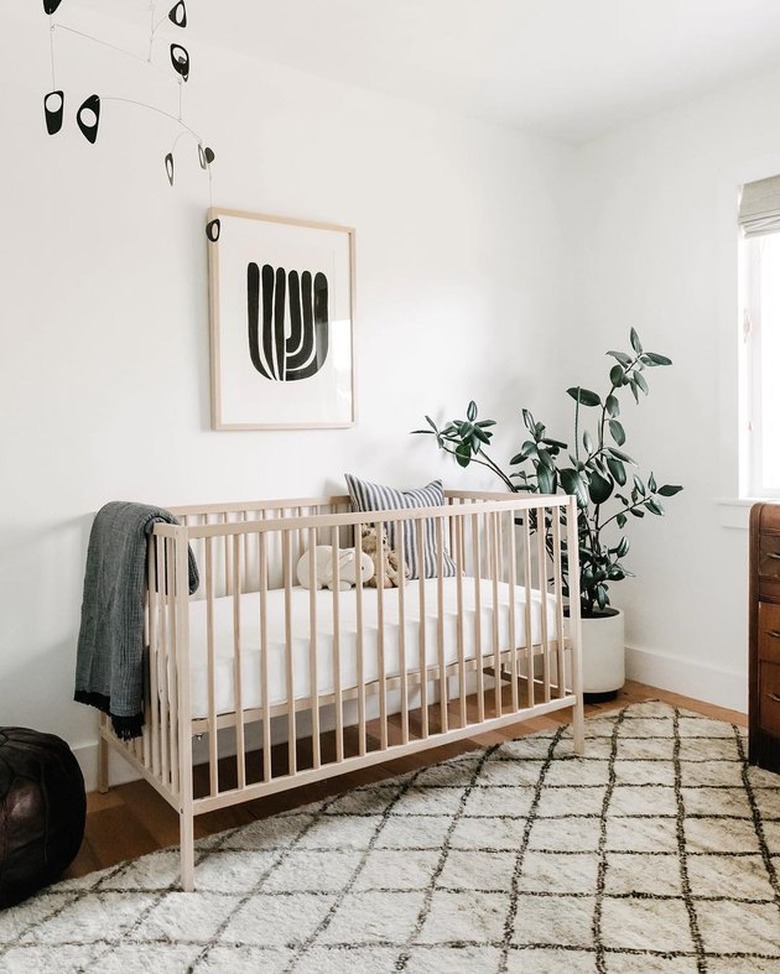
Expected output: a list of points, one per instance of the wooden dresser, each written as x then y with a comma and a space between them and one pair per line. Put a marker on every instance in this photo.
764, 633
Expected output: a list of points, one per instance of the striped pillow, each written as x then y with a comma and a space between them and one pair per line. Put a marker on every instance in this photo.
374, 497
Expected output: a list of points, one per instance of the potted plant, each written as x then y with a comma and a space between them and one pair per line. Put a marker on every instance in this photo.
596, 470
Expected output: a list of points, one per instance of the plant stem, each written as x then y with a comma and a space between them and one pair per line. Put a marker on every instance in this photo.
577, 430
597, 510
487, 462
625, 510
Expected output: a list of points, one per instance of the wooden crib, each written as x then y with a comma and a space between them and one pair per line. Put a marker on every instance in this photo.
253, 658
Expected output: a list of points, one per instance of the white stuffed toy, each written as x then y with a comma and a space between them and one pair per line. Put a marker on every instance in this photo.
323, 568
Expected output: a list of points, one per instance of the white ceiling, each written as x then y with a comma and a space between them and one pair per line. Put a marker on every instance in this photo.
570, 69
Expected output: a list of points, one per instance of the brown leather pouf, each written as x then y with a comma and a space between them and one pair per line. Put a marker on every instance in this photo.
42, 811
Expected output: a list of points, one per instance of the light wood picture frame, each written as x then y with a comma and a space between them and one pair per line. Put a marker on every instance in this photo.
282, 308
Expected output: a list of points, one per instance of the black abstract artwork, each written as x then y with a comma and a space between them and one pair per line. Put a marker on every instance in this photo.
169, 167
50, 6
54, 109
276, 355
213, 230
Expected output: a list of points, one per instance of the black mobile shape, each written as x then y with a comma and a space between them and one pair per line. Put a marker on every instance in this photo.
50, 6
303, 353
54, 109
205, 156
169, 167
89, 129
213, 230
178, 14
180, 60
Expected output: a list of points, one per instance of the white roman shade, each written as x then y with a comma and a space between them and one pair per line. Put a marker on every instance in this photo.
759, 207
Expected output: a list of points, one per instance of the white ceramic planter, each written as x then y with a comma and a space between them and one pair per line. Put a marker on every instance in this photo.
603, 655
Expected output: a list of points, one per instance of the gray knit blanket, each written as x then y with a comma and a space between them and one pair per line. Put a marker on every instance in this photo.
111, 651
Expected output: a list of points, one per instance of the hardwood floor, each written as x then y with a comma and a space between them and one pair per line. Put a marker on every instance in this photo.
132, 819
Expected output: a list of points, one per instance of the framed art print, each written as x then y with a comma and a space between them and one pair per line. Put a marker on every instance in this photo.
282, 322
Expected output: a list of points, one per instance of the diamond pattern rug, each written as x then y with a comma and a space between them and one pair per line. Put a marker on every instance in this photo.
659, 851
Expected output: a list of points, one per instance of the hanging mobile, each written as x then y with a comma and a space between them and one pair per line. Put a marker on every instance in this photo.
88, 113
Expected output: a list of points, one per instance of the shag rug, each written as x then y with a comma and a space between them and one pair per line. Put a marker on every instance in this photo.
659, 851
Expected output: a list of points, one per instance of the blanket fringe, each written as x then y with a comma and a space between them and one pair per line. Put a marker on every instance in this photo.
125, 728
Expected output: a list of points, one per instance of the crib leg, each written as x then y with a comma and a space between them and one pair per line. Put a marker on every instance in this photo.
578, 727
102, 768
187, 841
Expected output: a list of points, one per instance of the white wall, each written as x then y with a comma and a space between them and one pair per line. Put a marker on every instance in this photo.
658, 251
104, 372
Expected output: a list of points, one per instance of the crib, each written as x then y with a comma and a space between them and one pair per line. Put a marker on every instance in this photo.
342, 680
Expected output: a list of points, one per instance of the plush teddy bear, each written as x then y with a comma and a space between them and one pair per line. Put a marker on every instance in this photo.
323, 568
393, 578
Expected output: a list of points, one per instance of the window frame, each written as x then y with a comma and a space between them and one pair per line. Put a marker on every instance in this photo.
751, 373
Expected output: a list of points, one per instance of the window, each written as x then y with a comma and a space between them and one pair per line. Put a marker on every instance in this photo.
759, 217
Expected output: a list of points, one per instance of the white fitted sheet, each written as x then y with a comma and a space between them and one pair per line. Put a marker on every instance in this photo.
251, 686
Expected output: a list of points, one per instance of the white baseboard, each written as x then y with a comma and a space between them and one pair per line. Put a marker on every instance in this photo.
713, 684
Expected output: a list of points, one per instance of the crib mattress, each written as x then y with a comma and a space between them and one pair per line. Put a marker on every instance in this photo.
477, 637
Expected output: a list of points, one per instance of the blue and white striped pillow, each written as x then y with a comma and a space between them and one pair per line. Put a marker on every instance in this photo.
375, 497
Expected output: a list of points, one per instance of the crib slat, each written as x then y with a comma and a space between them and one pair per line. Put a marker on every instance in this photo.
290, 667
529, 632
380, 639
423, 653
154, 655
558, 590
226, 553
301, 544
314, 692
163, 659
493, 543
146, 730
361, 686
513, 609
460, 562
443, 695
180, 596
238, 689
541, 531
401, 548
212, 684
475, 519
338, 701
575, 625
264, 690
173, 688
243, 581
